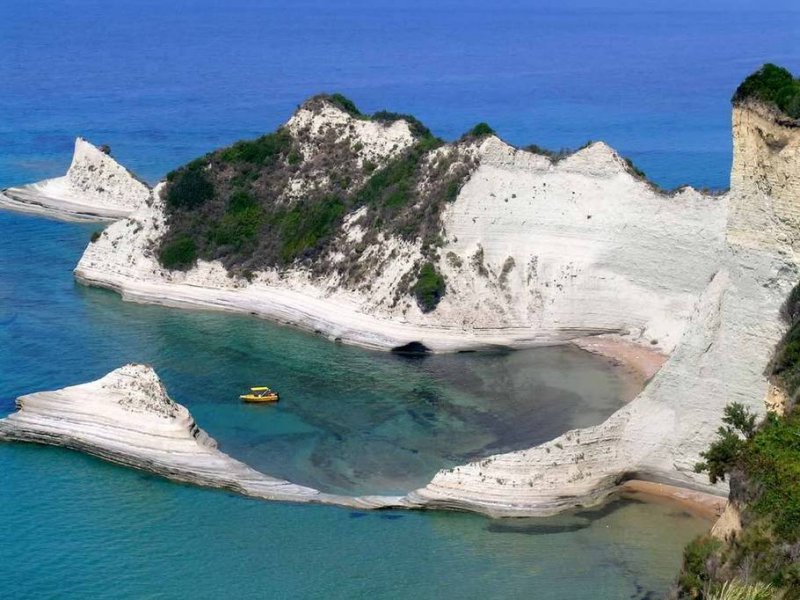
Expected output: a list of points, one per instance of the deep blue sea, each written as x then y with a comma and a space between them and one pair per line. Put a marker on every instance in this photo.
162, 81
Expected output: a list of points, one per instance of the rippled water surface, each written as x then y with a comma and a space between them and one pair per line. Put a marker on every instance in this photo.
162, 82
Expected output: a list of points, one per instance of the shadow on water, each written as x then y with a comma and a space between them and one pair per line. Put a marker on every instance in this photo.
562, 523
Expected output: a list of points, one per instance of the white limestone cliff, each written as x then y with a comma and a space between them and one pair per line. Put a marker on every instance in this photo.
535, 252
95, 188
127, 418
721, 357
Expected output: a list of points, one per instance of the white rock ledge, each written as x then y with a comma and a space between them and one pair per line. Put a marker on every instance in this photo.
95, 188
127, 418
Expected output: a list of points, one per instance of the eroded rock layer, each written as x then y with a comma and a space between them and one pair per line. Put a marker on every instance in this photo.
95, 188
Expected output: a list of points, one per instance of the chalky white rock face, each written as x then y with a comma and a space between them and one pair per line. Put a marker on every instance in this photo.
720, 357
534, 253
127, 418
538, 252
95, 188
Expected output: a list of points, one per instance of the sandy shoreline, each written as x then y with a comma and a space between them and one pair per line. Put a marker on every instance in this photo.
640, 361
701, 504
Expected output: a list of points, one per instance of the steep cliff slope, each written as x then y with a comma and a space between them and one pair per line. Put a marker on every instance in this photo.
95, 188
522, 249
517, 248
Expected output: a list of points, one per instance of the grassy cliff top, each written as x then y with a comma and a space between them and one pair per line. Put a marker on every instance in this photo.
774, 85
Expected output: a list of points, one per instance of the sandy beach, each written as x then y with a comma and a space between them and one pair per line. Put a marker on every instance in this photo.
701, 504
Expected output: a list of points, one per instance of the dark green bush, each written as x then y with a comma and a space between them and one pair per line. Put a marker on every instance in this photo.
345, 104
772, 84
179, 253
724, 453
304, 227
189, 187
237, 228
694, 573
96, 236
418, 129
772, 462
481, 130
262, 151
429, 288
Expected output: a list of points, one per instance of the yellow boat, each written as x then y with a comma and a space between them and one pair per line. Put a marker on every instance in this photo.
260, 394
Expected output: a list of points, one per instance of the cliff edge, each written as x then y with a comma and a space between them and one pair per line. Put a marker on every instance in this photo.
95, 188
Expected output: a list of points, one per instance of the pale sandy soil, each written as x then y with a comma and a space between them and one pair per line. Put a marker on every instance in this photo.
701, 504
641, 361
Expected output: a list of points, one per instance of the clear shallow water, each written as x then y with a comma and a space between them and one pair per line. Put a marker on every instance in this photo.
94, 530
163, 82
350, 420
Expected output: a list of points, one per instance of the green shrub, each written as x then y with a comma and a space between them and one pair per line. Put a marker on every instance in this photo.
189, 187
725, 452
345, 104
393, 185
262, 151
179, 253
96, 236
241, 200
237, 228
429, 288
481, 130
304, 227
694, 573
772, 463
774, 85
416, 126
294, 158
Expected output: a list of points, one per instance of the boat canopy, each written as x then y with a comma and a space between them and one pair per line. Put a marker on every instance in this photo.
259, 389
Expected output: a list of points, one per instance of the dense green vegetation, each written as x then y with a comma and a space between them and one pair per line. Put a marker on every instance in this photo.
189, 187
233, 204
764, 468
344, 103
178, 253
774, 85
739, 427
480, 130
762, 463
306, 226
429, 288
697, 553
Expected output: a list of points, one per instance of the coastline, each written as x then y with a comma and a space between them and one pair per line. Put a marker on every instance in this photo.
27, 200
700, 504
641, 361
127, 418
334, 319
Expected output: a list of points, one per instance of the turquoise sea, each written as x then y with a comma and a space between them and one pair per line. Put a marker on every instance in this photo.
162, 82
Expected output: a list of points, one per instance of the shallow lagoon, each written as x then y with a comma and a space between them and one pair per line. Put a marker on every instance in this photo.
204, 74
351, 420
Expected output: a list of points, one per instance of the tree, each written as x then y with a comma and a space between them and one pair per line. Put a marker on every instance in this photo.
723, 454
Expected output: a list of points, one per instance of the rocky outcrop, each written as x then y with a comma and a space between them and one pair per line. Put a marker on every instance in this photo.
535, 251
95, 188
719, 358
765, 211
127, 418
